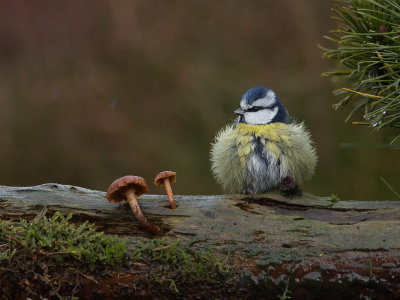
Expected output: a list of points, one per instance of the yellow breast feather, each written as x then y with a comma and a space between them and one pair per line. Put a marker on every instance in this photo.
289, 144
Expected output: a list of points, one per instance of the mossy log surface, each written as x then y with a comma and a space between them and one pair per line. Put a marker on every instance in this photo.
312, 240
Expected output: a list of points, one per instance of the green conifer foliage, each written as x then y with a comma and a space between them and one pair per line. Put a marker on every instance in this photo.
368, 47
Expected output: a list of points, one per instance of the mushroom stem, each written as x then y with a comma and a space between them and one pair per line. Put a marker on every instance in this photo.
169, 192
133, 203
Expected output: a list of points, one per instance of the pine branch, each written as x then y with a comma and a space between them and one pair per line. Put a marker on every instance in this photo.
368, 46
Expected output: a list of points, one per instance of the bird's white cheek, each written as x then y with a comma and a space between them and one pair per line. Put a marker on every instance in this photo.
263, 116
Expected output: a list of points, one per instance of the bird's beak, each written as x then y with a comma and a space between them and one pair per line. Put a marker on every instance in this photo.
239, 111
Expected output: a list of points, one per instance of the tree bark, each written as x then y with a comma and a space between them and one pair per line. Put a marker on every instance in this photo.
309, 239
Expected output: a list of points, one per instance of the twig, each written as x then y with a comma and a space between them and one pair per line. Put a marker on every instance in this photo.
15, 240
40, 215
67, 251
161, 248
53, 253
89, 277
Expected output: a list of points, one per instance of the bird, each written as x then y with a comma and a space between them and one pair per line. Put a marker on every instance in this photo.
263, 149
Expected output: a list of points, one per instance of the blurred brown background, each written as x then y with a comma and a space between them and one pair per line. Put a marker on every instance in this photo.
93, 90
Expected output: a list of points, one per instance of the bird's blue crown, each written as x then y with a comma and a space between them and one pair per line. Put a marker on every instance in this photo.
256, 93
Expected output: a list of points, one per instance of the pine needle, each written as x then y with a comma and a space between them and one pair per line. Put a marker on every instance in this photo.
362, 94
390, 187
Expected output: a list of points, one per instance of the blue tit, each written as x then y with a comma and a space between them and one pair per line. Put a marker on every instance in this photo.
263, 149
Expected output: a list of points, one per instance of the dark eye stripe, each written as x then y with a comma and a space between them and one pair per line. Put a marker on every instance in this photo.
255, 108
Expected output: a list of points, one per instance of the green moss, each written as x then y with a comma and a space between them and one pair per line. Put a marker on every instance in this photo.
180, 257
275, 258
57, 237
7, 254
334, 198
180, 262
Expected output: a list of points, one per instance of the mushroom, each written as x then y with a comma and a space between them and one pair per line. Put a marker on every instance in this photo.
163, 178
128, 188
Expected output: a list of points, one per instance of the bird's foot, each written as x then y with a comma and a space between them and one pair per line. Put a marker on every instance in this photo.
289, 188
247, 191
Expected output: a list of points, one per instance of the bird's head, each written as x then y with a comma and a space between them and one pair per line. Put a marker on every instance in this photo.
260, 105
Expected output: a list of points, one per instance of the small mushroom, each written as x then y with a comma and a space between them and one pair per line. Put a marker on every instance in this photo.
128, 188
163, 178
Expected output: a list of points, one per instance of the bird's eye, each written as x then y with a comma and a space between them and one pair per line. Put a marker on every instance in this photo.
254, 108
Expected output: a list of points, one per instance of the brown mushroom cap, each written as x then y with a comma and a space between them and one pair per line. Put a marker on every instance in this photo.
159, 180
116, 191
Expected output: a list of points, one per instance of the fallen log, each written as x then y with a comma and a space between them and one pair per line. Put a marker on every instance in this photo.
315, 242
